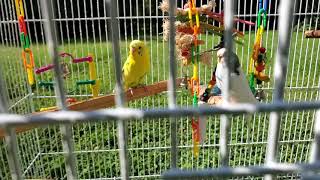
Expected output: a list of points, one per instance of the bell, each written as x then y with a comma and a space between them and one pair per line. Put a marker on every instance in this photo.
184, 82
260, 95
65, 70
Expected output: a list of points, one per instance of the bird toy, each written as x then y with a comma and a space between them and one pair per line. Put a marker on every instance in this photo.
43, 69
93, 81
27, 55
258, 58
203, 16
194, 82
191, 22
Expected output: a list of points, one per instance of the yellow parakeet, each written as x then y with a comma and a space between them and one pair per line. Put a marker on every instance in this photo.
136, 66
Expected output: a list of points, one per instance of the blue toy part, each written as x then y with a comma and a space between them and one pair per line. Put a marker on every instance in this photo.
215, 91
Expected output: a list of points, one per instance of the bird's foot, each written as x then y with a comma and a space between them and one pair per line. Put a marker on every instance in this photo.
131, 91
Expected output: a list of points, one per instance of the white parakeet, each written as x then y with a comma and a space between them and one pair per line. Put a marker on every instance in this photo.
239, 87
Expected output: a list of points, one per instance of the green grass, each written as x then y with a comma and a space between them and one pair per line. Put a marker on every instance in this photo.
149, 140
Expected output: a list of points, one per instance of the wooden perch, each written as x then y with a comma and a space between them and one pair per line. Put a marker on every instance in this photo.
312, 34
106, 101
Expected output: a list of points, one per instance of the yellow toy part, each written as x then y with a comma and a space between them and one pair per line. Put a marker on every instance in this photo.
19, 8
31, 80
93, 81
196, 148
93, 76
256, 48
48, 108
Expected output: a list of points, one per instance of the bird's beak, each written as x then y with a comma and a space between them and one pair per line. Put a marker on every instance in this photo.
133, 50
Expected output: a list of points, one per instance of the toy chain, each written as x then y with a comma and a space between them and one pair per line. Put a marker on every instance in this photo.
27, 55
258, 57
195, 86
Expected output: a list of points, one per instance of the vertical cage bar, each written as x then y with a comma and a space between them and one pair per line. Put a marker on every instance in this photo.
172, 82
66, 130
225, 121
13, 159
280, 71
10, 137
112, 6
120, 100
315, 148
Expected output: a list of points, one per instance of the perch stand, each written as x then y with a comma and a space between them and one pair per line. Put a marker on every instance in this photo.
106, 101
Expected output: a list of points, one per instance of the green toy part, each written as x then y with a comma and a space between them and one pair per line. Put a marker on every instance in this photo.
262, 11
195, 99
46, 84
198, 52
85, 82
24, 40
251, 83
192, 54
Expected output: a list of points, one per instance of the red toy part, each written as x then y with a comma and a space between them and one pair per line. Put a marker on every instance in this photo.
195, 130
64, 54
262, 50
84, 59
260, 67
44, 69
185, 53
22, 25
186, 30
219, 17
71, 100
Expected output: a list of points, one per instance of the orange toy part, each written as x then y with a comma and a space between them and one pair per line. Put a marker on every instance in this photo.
196, 130
28, 64
195, 136
261, 76
195, 85
186, 30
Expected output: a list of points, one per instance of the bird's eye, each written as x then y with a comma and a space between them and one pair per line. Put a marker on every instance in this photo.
139, 47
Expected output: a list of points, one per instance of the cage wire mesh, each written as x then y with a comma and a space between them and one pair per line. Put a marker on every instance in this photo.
82, 30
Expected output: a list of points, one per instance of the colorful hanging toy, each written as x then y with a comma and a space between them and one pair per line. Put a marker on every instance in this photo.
191, 22
27, 55
258, 58
194, 82
185, 33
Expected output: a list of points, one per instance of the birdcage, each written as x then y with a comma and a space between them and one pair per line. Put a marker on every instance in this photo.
65, 115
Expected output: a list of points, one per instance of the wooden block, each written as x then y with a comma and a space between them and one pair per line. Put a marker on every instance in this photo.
106, 101
215, 100
312, 34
